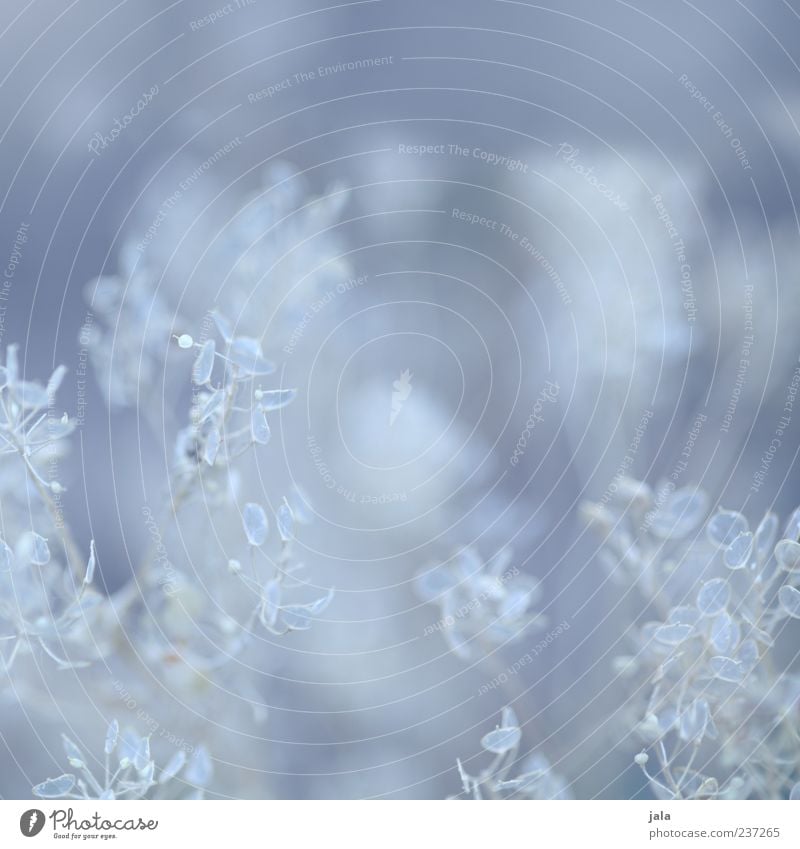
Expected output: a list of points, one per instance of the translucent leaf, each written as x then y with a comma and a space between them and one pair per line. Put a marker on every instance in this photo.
301, 506
255, 523
738, 552
681, 514
673, 635
173, 767
433, 583
32, 396
727, 669
714, 595
723, 527
35, 549
694, 720
765, 536
212, 445
509, 718
12, 364
91, 565
270, 602
73, 753
319, 605
213, 403
146, 773
275, 399
199, 770
128, 747
204, 364
792, 530
54, 788
112, 736
285, 521
725, 634
259, 427
142, 757
55, 380
789, 599
223, 325
296, 617
683, 616
787, 553
748, 655
245, 353
501, 740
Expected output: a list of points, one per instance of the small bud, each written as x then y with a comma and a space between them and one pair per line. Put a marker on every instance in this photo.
56, 488
641, 759
185, 341
234, 566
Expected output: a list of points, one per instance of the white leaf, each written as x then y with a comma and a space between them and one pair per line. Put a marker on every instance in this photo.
255, 523
275, 399
199, 770
723, 527
54, 788
765, 536
142, 756
223, 325
501, 740
727, 669
212, 445
673, 635
245, 353
259, 427
91, 565
173, 767
270, 603
55, 380
789, 599
285, 520
112, 735
204, 364
714, 595
73, 753
738, 552
787, 553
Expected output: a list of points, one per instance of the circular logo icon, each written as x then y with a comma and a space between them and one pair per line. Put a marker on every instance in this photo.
31, 822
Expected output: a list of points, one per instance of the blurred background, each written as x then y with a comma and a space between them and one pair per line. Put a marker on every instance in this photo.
430, 214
